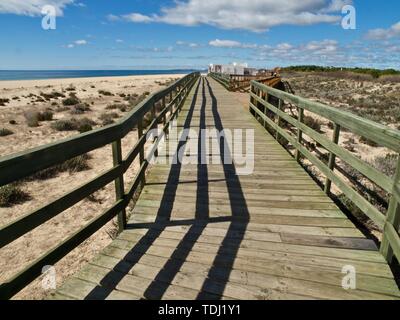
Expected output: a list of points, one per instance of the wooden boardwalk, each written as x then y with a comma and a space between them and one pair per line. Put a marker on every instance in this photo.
203, 232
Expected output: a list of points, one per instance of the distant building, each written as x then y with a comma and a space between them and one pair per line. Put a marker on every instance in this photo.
237, 69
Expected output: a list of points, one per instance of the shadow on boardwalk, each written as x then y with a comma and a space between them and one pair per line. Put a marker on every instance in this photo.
219, 271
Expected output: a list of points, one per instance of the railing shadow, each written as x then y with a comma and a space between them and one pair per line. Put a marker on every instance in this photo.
230, 245
218, 274
112, 279
168, 272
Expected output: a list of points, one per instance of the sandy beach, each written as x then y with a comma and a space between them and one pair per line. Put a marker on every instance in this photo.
102, 101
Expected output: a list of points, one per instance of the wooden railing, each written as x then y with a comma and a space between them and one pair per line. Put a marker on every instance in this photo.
24, 164
241, 82
273, 116
223, 79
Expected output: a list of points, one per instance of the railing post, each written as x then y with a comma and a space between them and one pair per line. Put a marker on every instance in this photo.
119, 183
141, 153
164, 105
153, 116
280, 104
299, 132
332, 158
392, 216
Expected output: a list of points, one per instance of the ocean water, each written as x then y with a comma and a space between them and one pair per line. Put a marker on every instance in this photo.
60, 74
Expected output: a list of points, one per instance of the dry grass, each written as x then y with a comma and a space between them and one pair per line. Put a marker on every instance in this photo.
12, 194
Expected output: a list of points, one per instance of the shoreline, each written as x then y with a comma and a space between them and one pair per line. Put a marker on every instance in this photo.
39, 75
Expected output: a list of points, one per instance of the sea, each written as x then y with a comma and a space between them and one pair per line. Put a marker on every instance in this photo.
61, 74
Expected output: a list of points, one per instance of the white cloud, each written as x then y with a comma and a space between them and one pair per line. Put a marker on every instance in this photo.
230, 44
76, 43
119, 41
32, 7
256, 15
137, 17
187, 44
284, 46
384, 34
80, 42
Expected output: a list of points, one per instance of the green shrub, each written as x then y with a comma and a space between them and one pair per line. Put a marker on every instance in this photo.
386, 164
108, 118
121, 107
82, 125
80, 108
312, 123
11, 194
45, 116
52, 95
71, 101
76, 164
85, 125
70, 88
105, 93
64, 125
5, 132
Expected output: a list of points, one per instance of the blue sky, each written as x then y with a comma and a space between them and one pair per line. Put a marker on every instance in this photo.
152, 34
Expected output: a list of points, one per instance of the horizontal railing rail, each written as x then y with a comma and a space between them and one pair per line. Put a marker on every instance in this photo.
267, 104
241, 82
223, 79
24, 164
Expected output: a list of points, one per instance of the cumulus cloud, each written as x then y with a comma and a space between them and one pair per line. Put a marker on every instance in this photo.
137, 17
32, 7
384, 34
256, 15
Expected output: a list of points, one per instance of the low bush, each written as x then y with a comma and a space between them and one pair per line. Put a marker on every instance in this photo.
105, 93
71, 100
312, 123
386, 164
76, 164
4, 101
12, 194
5, 132
108, 118
121, 107
80, 108
82, 125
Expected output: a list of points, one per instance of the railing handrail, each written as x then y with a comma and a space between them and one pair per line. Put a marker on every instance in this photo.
52, 154
380, 134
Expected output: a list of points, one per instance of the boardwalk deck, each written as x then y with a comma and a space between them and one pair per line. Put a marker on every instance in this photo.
203, 232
